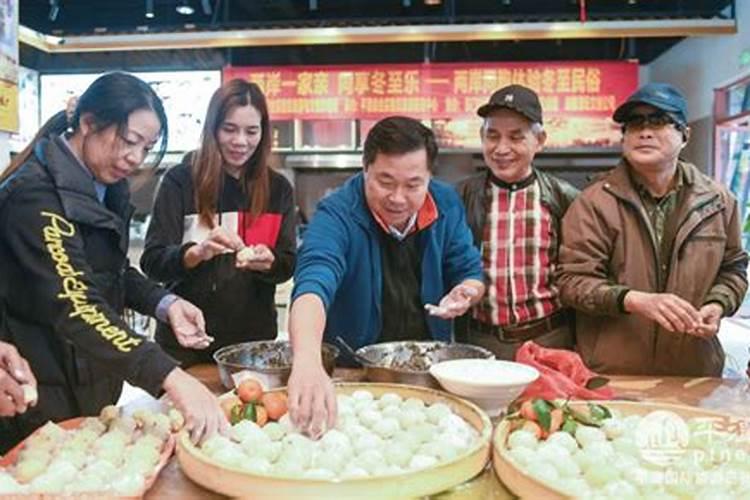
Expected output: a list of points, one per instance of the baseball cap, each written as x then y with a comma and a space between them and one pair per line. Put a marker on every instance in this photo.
662, 96
516, 97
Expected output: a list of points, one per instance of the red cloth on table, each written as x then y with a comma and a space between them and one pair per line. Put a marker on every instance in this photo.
562, 374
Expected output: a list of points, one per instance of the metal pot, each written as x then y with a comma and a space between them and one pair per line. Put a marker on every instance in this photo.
271, 360
409, 362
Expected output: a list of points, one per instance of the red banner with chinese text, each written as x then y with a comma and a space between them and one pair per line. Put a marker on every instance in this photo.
584, 93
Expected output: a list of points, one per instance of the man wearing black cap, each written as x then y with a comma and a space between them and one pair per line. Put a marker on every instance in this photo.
514, 212
651, 255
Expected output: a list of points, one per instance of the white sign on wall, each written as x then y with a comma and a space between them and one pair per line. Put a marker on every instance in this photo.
185, 95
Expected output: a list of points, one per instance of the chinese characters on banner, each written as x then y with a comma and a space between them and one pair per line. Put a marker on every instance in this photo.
578, 97
9, 65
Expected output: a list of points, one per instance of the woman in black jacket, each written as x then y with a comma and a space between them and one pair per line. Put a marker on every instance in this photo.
65, 277
221, 203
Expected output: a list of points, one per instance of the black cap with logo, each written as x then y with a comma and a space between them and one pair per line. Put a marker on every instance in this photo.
516, 97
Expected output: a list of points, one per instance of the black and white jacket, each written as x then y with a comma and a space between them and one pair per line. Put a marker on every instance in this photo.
238, 305
64, 281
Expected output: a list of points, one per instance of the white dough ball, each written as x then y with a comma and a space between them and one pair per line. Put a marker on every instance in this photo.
602, 474
560, 438
429, 449
8, 484
552, 452
543, 471
574, 486
386, 427
408, 418
286, 423
128, 484
613, 428
352, 471
620, 489
389, 399
422, 462
368, 441
255, 442
246, 429
627, 446
413, 404
370, 460
370, 417
231, 456
600, 448
437, 412
362, 395
585, 435
274, 431
270, 452
407, 440
393, 411
423, 432
399, 455
567, 468
215, 443
86, 483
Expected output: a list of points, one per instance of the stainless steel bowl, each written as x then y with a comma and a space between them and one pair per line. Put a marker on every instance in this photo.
409, 362
271, 358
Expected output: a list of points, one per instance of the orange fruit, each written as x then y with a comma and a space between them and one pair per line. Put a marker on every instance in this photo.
275, 404
249, 390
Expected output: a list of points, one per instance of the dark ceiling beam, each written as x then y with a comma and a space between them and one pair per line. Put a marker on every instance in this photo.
379, 34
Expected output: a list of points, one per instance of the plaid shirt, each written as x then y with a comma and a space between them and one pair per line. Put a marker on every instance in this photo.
517, 250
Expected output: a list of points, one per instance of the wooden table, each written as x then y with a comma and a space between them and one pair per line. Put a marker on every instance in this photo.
732, 396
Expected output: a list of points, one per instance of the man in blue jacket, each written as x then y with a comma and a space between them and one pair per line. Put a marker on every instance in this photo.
377, 256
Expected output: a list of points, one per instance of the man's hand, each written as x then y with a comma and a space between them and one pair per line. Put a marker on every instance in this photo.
219, 241
203, 415
673, 313
710, 315
255, 258
455, 303
312, 399
188, 325
15, 373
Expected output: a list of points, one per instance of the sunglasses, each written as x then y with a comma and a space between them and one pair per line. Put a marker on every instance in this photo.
652, 120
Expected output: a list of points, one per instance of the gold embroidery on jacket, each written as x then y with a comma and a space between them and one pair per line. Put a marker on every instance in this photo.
74, 290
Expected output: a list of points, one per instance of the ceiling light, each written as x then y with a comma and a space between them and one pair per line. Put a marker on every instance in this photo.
506, 2
54, 10
150, 9
184, 8
632, 2
432, 2
206, 6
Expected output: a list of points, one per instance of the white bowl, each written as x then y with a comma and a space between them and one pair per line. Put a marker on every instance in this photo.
490, 383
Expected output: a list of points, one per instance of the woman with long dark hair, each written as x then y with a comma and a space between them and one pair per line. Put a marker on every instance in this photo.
222, 230
64, 273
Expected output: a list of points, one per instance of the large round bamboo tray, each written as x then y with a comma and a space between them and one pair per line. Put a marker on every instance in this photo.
238, 483
525, 486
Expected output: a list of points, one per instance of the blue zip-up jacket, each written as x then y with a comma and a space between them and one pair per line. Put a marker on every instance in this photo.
340, 261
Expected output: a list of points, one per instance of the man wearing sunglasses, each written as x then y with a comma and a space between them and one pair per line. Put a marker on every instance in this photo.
651, 254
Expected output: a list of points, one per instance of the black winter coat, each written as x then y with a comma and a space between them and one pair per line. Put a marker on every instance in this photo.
65, 280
